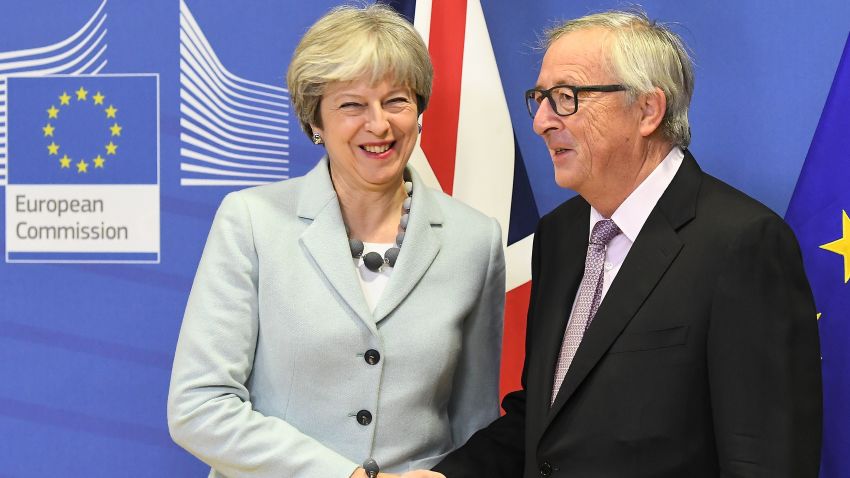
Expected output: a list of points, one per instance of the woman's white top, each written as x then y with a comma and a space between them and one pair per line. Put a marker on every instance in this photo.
373, 283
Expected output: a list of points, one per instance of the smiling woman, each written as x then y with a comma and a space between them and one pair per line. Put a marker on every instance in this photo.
352, 315
369, 133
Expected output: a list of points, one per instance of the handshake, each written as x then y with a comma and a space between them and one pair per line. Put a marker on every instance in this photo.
416, 474
361, 473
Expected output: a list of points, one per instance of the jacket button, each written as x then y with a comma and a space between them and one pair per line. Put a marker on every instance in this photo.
364, 417
545, 469
372, 357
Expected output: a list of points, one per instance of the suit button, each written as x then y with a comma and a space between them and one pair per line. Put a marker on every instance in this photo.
364, 417
545, 469
372, 357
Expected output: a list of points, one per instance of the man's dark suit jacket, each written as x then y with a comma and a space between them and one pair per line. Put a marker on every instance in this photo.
702, 360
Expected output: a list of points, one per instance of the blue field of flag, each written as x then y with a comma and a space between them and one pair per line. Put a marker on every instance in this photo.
818, 213
83, 129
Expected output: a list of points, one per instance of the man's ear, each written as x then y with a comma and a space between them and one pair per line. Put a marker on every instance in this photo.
653, 106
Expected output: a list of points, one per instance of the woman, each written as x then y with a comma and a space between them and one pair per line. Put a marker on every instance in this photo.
302, 355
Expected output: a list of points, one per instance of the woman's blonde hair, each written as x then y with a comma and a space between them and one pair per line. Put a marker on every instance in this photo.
644, 55
350, 43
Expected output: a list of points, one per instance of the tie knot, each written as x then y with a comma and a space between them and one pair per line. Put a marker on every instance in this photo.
603, 232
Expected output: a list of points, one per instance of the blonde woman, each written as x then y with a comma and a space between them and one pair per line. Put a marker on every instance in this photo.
351, 316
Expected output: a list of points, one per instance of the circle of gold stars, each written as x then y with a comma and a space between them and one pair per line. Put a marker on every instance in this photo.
110, 149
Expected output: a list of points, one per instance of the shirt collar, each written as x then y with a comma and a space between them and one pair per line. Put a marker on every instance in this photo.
633, 212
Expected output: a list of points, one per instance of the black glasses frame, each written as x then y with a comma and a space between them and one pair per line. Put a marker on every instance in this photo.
529, 95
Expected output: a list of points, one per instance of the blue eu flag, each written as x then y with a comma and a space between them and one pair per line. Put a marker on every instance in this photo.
818, 213
79, 129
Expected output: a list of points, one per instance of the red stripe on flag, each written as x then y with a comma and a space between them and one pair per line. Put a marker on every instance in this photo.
439, 138
513, 340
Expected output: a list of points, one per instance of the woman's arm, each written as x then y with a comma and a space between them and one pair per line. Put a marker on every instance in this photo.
209, 407
475, 391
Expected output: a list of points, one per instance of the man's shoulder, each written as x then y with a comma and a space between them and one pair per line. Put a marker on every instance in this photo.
720, 201
729, 219
567, 211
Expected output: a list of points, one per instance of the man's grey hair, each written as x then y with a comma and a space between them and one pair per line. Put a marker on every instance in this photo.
644, 54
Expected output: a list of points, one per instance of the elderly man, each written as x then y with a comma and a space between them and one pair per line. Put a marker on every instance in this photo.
671, 330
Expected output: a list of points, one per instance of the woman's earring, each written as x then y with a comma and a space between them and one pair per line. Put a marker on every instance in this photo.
317, 138
420, 127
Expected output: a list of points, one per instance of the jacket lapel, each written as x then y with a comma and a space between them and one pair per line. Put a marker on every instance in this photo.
656, 247
324, 239
420, 247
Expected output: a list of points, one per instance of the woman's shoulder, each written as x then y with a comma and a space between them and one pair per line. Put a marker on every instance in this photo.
457, 213
453, 206
449, 211
278, 193
313, 188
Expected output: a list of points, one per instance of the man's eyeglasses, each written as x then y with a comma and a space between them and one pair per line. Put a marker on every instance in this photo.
563, 98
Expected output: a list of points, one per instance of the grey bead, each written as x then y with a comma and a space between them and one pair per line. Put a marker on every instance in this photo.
404, 220
371, 468
392, 255
408, 187
373, 261
406, 205
399, 238
356, 246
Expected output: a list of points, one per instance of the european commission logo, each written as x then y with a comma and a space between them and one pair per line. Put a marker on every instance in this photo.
82, 129
49, 130
81, 154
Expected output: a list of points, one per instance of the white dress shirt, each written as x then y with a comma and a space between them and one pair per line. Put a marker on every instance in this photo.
632, 214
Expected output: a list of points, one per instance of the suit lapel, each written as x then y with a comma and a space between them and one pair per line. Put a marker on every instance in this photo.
656, 247
325, 239
420, 247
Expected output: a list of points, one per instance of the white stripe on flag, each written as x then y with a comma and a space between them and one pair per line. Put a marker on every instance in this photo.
484, 166
484, 162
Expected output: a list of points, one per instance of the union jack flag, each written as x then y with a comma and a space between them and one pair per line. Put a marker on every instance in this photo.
469, 149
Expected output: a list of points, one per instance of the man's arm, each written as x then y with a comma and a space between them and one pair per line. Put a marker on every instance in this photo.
494, 452
764, 358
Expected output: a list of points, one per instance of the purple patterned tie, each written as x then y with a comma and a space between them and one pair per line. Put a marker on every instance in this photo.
588, 298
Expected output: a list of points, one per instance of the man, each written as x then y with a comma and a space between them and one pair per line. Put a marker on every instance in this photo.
671, 330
